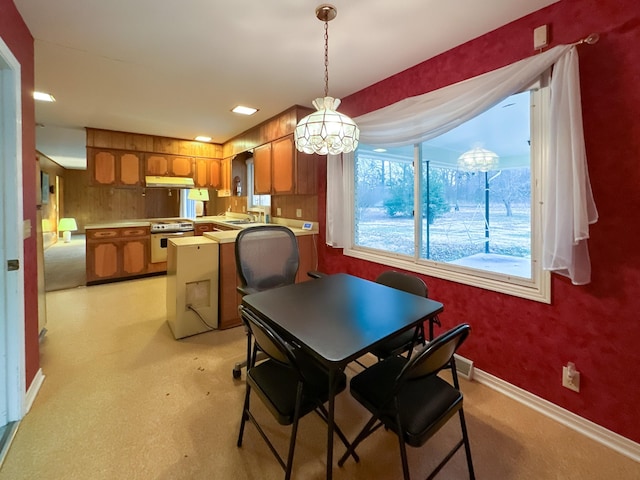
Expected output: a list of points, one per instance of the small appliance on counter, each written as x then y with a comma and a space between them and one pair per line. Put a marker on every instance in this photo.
192, 286
260, 214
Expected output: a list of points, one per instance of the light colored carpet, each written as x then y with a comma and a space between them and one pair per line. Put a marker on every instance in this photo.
123, 400
65, 264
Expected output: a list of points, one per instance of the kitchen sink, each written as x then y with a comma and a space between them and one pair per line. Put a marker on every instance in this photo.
237, 222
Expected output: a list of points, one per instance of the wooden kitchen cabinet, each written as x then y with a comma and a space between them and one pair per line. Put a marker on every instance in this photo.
201, 177
228, 296
116, 253
262, 170
308, 256
215, 175
169, 165
200, 228
109, 167
280, 169
224, 189
283, 166
207, 173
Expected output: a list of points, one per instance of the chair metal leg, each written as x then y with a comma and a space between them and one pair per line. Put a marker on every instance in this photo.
467, 446
245, 415
322, 413
403, 447
364, 433
294, 433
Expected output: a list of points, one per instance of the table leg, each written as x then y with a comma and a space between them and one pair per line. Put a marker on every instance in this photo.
330, 422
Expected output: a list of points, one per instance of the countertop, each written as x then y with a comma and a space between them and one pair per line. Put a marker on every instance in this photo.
220, 236
229, 236
139, 222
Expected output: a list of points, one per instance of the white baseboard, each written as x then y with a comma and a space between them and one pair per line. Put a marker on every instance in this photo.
592, 430
33, 390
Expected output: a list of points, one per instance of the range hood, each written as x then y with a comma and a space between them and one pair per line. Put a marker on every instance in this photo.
168, 182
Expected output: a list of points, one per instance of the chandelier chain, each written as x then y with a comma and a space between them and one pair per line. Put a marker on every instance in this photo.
326, 59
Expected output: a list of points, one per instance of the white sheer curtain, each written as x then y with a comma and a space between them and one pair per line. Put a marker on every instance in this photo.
335, 199
417, 119
187, 207
568, 206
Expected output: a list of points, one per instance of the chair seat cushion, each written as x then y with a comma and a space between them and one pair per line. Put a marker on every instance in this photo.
425, 404
276, 383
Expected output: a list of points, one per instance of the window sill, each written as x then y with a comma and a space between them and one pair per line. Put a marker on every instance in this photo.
537, 289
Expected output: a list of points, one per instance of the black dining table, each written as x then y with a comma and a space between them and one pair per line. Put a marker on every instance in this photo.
337, 319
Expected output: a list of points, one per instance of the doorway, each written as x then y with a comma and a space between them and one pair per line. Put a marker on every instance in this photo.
12, 324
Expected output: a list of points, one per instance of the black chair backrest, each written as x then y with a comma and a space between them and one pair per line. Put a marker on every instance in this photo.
266, 257
404, 282
435, 355
268, 340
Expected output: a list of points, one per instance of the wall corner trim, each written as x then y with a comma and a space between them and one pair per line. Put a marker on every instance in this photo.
33, 390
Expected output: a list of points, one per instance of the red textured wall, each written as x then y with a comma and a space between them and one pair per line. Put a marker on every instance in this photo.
596, 326
16, 35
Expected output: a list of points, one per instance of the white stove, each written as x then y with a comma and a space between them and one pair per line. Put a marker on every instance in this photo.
169, 226
162, 231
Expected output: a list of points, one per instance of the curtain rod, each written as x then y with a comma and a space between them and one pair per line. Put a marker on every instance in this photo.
590, 39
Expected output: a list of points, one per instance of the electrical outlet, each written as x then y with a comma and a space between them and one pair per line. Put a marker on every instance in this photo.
571, 377
299, 212
279, 211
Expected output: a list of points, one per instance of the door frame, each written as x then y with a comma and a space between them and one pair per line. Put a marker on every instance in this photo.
12, 316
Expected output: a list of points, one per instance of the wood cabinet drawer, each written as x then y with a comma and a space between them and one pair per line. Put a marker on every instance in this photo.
135, 232
103, 234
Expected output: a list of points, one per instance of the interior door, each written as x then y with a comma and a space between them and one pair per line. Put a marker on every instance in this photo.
12, 350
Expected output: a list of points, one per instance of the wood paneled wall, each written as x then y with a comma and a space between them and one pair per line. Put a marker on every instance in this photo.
289, 204
90, 205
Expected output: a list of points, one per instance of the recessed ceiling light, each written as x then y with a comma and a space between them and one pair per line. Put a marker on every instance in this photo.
244, 110
379, 150
202, 138
45, 97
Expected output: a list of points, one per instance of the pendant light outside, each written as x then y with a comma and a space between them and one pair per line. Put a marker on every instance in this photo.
478, 160
326, 131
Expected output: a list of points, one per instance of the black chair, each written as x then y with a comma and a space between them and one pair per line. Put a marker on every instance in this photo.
289, 382
266, 257
410, 399
405, 341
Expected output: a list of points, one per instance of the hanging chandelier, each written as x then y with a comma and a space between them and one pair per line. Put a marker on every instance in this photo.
478, 160
326, 131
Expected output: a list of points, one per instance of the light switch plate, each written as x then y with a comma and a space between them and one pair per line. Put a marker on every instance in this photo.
540, 37
26, 228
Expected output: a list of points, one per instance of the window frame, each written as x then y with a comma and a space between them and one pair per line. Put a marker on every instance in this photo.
538, 288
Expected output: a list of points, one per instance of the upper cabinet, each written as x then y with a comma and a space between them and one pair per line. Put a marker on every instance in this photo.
215, 176
169, 165
224, 189
280, 169
114, 168
124, 159
262, 170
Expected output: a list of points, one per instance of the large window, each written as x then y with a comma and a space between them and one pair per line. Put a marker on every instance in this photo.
462, 206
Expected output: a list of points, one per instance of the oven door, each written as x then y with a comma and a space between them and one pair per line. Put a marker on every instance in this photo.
159, 244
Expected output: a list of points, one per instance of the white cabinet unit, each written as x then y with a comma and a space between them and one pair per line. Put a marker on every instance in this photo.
192, 286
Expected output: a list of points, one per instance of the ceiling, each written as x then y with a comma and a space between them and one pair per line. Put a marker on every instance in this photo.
176, 69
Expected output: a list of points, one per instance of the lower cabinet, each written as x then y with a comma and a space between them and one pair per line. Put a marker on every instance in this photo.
116, 253
228, 296
200, 228
308, 256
